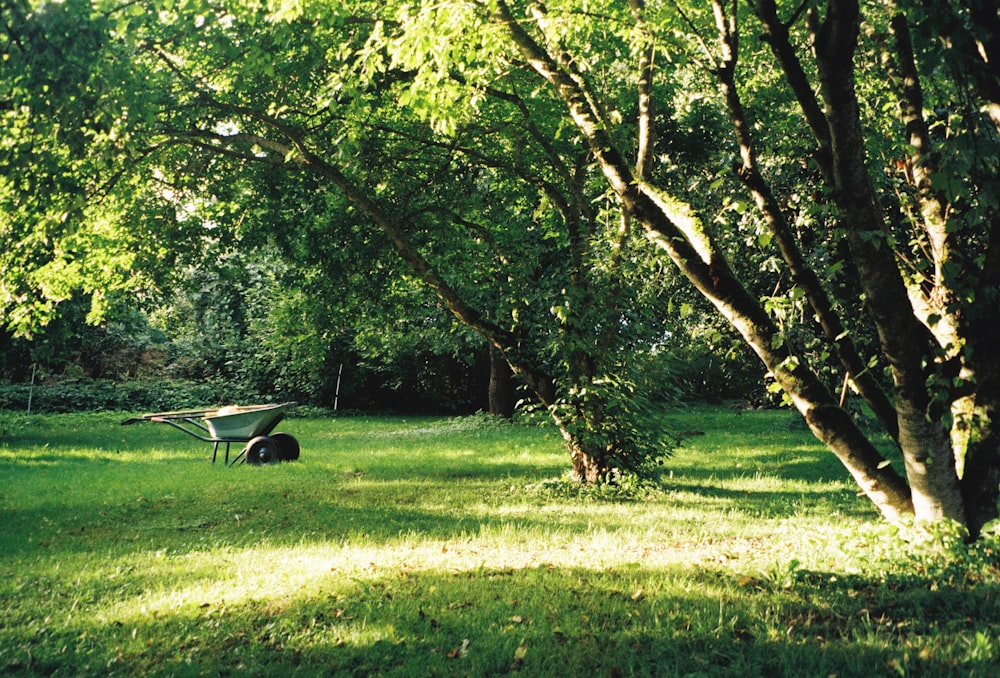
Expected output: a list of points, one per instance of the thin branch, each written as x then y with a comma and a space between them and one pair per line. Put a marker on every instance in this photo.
646, 66
777, 36
698, 36
797, 13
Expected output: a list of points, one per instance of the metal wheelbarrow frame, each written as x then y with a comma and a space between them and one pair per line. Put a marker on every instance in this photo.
250, 424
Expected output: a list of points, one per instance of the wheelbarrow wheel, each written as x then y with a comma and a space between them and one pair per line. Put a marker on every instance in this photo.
288, 446
263, 450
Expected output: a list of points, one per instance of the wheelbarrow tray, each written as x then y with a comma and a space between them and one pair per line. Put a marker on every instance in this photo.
243, 423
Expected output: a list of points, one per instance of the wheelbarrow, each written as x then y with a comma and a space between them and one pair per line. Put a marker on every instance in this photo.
250, 424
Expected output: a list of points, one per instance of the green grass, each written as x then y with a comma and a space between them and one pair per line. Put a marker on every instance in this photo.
424, 547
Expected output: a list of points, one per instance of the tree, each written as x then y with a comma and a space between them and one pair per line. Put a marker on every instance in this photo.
59, 143
923, 250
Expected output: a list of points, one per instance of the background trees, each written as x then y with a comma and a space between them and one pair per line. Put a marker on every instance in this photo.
517, 157
501, 218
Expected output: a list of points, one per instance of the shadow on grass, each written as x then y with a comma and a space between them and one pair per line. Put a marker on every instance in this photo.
789, 462
277, 517
542, 621
105, 507
770, 504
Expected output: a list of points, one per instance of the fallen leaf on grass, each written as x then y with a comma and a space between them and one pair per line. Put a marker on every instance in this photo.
520, 653
460, 651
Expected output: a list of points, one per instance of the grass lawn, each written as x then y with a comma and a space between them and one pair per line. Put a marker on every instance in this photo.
436, 547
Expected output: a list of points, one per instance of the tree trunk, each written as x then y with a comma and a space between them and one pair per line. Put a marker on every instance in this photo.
587, 468
501, 388
589, 465
907, 344
981, 473
980, 482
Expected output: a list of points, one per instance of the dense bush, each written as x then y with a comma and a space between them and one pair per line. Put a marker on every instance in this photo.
701, 374
704, 374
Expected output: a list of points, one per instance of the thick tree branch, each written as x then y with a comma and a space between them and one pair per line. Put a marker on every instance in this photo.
922, 157
296, 151
923, 166
539, 382
777, 36
646, 68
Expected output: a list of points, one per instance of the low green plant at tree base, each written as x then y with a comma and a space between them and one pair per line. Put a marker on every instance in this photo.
433, 546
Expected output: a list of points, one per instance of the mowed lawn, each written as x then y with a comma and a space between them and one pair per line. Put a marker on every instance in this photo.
450, 547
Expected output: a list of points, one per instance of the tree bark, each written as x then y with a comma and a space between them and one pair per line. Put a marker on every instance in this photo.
501, 387
981, 476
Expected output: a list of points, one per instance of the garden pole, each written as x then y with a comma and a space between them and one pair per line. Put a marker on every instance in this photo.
31, 389
336, 393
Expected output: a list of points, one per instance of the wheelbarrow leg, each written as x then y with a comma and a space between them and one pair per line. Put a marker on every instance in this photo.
215, 451
238, 458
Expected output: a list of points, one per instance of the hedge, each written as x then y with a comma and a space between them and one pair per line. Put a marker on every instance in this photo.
82, 395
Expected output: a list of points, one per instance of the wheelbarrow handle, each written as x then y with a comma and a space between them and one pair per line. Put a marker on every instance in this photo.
148, 417
162, 417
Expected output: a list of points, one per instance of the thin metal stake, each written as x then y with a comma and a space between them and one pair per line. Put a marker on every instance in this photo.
336, 395
31, 390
